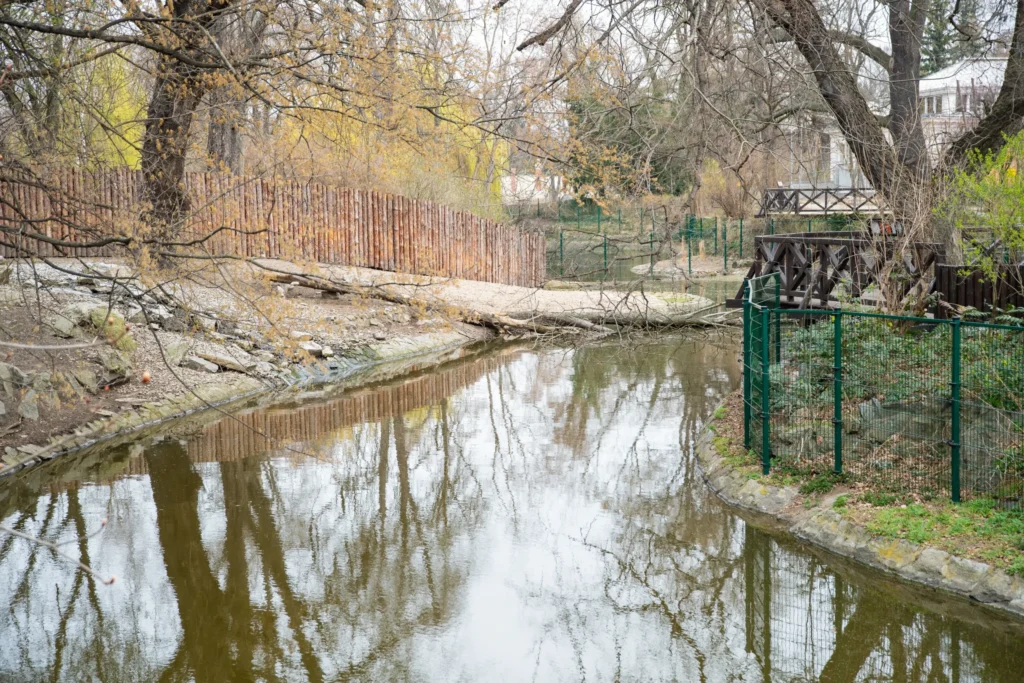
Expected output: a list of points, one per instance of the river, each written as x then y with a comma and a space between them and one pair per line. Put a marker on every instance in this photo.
522, 514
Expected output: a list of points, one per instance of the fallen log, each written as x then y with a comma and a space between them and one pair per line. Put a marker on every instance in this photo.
497, 322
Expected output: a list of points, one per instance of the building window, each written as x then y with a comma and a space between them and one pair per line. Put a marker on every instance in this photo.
928, 105
938, 104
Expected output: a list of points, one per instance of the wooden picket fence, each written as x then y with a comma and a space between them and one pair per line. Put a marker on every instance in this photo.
281, 219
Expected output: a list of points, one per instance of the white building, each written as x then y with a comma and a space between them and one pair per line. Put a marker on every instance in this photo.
537, 186
951, 101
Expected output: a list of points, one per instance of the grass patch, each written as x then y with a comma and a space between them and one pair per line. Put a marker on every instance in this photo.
821, 483
879, 498
720, 413
840, 502
976, 528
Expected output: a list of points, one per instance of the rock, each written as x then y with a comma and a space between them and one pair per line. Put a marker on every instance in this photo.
326, 352
29, 406
301, 292
312, 348
30, 449
229, 327
3, 409
196, 363
154, 326
924, 419
12, 378
135, 315
176, 351
174, 324
62, 327
264, 369
117, 366
379, 336
297, 335
96, 317
230, 361
158, 313
87, 378
265, 356
374, 322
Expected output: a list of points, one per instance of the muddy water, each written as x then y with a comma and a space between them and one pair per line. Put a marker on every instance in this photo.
523, 515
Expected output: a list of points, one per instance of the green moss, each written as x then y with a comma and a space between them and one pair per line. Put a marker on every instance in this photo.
721, 444
720, 413
840, 502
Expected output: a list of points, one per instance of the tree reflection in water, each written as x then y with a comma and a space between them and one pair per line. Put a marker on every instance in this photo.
524, 515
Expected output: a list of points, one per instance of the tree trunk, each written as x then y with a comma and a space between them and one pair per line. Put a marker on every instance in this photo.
176, 94
906, 28
224, 141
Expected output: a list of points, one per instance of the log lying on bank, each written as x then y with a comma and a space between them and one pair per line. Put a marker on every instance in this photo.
594, 322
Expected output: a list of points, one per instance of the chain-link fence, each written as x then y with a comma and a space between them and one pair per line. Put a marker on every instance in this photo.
909, 405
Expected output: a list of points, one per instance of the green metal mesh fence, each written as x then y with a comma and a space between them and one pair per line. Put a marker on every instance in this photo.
908, 405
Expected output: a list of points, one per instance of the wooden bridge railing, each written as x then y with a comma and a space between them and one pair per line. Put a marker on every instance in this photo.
815, 201
811, 265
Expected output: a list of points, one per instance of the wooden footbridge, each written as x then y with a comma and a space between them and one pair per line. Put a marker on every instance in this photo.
812, 265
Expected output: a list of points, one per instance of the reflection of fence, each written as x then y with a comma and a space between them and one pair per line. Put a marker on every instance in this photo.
248, 434
911, 404
310, 221
806, 623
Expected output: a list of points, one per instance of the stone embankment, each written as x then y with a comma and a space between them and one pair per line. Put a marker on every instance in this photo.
826, 527
85, 360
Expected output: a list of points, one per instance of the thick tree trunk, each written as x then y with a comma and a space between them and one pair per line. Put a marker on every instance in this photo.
176, 94
224, 142
906, 27
178, 88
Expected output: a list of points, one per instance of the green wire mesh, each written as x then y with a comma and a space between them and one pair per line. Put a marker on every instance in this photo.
898, 418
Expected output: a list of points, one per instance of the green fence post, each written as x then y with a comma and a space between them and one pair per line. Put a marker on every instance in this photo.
778, 320
741, 238
561, 254
771, 226
577, 215
766, 464
689, 257
746, 366
598, 218
651, 249
620, 219
538, 208
725, 246
808, 225
837, 390
606, 254
954, 437
716, 234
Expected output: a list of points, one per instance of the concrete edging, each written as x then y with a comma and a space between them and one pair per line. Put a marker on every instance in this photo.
823, 527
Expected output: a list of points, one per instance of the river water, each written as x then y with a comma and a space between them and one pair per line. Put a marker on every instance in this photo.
518, 515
